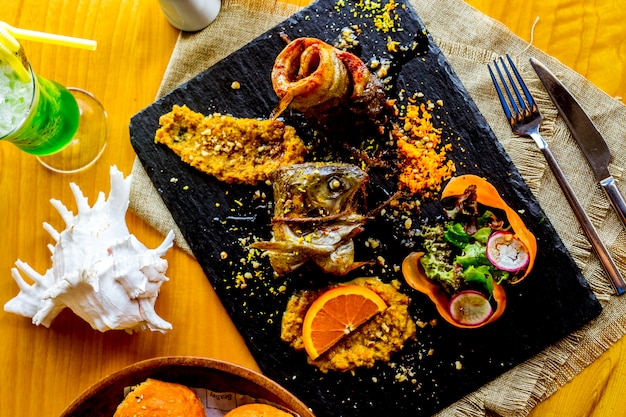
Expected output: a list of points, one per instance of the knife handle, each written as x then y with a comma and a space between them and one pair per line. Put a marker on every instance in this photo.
601, 250
615, 197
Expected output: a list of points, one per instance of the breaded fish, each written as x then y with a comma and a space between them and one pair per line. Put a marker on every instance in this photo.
234, 150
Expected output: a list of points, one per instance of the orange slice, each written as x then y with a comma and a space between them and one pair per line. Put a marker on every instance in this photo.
335, 314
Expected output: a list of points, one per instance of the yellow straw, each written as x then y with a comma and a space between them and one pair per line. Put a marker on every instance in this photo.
9, 41
9, 48
61, 40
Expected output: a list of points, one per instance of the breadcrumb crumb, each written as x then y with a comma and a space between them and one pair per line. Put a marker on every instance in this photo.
425, 165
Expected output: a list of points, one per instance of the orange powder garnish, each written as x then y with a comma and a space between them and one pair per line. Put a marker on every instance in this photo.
423, 160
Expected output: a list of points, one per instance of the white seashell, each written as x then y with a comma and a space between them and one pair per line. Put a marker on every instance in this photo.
99, 270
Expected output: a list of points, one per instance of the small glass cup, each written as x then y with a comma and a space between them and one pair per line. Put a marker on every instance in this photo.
66, 128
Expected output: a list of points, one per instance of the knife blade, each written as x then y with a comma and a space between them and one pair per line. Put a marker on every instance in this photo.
589, 140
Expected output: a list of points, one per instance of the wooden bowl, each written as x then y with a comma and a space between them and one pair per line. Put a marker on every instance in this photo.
102, 399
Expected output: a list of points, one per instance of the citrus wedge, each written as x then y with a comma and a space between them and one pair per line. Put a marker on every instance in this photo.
335, 314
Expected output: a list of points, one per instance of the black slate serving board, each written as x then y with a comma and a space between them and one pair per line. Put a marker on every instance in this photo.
425, 376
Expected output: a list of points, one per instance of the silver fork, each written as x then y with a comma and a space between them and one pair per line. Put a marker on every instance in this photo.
525, 119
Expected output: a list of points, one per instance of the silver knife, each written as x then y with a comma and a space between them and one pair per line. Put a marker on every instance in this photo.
585, 133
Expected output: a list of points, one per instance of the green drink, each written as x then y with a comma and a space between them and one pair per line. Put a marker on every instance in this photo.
52, 119
66, 128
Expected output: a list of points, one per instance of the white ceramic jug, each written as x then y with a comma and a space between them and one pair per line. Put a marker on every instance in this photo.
190, 15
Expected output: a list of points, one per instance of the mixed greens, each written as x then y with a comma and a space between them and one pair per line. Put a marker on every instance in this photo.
464, 260
457, 252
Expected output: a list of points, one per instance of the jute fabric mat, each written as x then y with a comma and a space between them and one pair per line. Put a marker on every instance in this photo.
470, 40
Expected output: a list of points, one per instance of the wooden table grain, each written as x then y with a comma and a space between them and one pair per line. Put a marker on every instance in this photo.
43, 370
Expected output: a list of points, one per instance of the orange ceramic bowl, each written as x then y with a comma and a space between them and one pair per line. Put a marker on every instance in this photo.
102, 399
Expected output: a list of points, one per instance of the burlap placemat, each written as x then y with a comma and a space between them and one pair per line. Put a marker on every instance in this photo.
470, 40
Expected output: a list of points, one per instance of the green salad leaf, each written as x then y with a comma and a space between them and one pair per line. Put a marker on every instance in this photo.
474, 254
456, 235
456, 259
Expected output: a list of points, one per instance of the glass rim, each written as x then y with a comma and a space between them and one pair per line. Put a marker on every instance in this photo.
31, 105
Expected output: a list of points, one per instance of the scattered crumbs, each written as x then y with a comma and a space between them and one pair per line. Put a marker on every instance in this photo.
458, 365
235, 85
382, 67
348, 38
384, 16
240, 281
372, 243
422, 324
259, 195
223, 255
174, 180
401, 377
424, 161
186, 187
392, 46
404, 373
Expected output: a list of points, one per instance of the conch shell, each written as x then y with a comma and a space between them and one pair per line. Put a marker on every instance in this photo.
104, 274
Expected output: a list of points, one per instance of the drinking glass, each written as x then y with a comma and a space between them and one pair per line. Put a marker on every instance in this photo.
65, 128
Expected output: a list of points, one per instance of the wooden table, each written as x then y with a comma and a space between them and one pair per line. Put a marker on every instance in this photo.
43, 370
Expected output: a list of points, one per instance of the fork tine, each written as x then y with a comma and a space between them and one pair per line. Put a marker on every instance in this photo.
520, 80
520, 100
503, 102
506, 86
511, 109
516, 113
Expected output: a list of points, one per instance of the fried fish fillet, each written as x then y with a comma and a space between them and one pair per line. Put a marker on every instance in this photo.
234, 150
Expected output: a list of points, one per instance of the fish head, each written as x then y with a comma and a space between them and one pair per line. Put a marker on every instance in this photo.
317, 189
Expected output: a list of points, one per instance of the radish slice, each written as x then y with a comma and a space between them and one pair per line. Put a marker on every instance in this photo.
470, 308
507, 252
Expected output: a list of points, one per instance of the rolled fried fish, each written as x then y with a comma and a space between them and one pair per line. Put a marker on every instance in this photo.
324, 83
